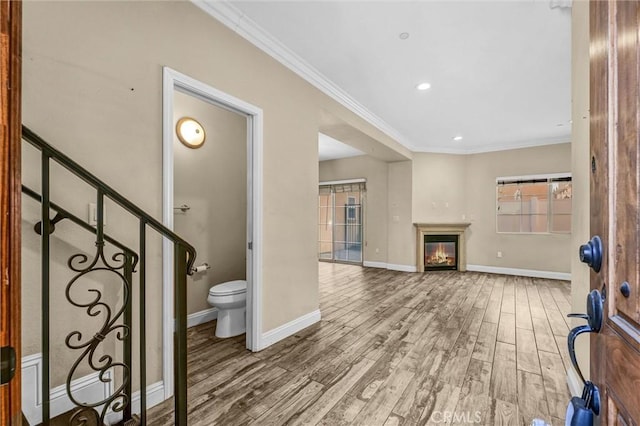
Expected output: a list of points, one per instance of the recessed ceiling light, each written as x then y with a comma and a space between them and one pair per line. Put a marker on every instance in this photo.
457, 138
404, 36
423, 86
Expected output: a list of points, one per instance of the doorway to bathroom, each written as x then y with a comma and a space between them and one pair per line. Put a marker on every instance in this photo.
340, 225
212, 196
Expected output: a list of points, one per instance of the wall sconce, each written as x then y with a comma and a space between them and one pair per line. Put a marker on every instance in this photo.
190, 132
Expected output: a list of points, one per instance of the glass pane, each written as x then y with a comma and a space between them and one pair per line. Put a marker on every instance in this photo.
561, 223
561, 206
534, 223
538, 190
508, 223
325, 215
325, 233
509, 200
340, 233
324, 200
355, 252
324, 250
340, 251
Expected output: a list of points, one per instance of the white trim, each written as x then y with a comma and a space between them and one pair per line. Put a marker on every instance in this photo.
495, 147
290, 328
574, 382
87, 388
238, 22
167, 220
533, 177
402, 268
340, 182
201, 317
174, 80
390, 266
565, 276
369, 264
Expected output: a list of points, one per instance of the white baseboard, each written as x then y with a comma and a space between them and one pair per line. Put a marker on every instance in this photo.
521, 272
574, 382
402, 268
390, 266
369, 264
289, 329
88, 388
201, 317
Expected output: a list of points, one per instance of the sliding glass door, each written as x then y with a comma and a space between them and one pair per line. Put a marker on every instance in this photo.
340, 230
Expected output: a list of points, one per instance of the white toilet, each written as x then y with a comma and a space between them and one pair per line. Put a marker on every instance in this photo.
231, 300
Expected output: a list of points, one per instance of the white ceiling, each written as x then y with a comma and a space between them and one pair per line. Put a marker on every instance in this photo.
332, 149
500, 71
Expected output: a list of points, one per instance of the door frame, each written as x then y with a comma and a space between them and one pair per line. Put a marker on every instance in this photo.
10, 201
174, 80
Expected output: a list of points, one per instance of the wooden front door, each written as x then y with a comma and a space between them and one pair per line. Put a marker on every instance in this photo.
10, 193
615, 205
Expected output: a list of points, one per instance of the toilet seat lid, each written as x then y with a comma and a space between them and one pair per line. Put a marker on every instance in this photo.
229, 288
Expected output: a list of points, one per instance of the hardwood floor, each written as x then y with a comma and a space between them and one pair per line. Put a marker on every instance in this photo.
395, 348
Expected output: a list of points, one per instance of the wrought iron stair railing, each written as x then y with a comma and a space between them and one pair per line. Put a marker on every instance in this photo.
118, 322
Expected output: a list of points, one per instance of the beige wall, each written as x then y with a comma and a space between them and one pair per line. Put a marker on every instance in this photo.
93, 88
375, 209
212, 180
439, 187
461, 188
580, 165
546, 252
457, 188
401, 233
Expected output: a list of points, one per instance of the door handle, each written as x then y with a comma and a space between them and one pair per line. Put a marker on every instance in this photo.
591, 253
7, 364
595, 307
582, 410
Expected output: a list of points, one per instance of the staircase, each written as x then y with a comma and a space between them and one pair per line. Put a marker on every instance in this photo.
111, 258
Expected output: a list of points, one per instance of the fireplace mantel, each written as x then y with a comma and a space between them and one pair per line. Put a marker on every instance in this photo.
458, 229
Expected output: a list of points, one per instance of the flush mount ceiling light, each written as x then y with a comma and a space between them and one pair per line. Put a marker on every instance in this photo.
190, 132
404, 36
423, 86
457, 138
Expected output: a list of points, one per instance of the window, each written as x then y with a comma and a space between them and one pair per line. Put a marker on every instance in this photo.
534, 204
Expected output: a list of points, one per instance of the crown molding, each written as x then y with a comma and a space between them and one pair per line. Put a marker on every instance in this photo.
497, 147
244, 26
241, 24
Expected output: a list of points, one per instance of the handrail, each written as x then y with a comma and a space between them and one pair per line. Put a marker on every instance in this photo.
35, 140
118, 320
75, 219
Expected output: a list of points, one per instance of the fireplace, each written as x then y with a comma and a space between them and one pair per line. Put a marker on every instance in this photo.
440, 252
441, 246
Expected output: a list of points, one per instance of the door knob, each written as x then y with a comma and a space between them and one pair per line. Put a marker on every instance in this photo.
591, 253
594, 318
582, 410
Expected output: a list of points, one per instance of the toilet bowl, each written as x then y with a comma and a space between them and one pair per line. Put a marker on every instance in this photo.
230, 299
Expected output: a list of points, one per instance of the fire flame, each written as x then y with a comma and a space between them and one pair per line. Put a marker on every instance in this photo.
439, 256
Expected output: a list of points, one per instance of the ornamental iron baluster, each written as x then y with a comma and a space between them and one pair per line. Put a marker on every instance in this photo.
105, 365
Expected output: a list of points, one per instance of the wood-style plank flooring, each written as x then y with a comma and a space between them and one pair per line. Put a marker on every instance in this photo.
395, 348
